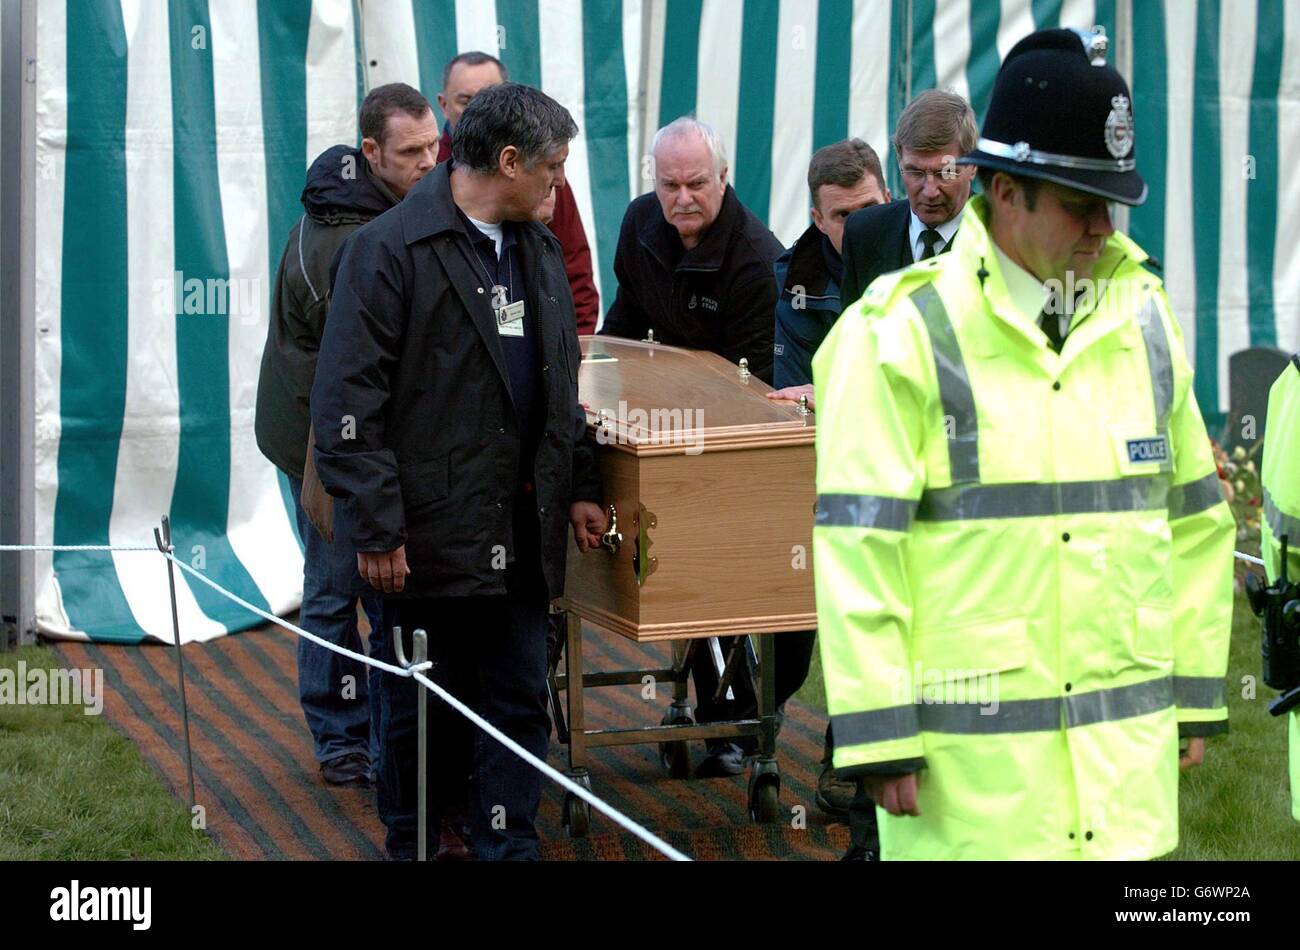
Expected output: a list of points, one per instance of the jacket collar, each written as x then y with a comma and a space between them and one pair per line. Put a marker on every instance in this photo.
807, 266
429, 210
662, 239
974, 265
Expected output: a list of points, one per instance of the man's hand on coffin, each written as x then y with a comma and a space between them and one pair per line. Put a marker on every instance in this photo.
589, 524
792, 394
895, 794
384, 570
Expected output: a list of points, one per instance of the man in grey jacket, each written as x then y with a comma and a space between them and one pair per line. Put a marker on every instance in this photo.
346, 187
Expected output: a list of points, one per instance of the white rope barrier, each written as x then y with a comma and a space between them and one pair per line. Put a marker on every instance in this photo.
416, 672
655, 842
74, 547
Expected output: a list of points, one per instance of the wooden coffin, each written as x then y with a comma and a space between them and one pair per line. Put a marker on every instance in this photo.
713, 486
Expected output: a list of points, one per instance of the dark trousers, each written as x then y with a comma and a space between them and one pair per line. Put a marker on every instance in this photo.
864, 835
489, 652
793, 654
336, 693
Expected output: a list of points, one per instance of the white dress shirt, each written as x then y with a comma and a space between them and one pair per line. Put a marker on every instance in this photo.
946, 231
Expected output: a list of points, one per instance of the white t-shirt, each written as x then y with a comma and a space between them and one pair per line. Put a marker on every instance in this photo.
490, 230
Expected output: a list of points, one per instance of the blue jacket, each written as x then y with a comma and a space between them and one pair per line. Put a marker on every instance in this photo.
806, 308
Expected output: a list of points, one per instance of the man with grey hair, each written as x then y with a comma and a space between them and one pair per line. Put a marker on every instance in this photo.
693, 263
937, 128
695, 266
447, 419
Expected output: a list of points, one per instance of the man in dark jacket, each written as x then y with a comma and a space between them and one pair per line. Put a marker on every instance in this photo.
449, 425
346, 187
462, 77
695, 266
693, 263
842, 178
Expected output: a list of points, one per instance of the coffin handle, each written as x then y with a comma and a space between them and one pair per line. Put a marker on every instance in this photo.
612, 539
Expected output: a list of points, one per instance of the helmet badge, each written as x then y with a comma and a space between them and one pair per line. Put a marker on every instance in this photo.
1119, 127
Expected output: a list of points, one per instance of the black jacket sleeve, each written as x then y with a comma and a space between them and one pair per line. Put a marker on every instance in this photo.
359, 351
585, 485
751, 331
851, 288
586, 479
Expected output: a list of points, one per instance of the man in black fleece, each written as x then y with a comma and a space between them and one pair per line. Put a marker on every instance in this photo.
346, 187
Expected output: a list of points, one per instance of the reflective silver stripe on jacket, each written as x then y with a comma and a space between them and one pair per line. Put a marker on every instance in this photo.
954, 386
877, 725
1008, 716
1194, 497
864, 511
1040, 499
1199, 692
1280, 523
1162, 372
1045, 715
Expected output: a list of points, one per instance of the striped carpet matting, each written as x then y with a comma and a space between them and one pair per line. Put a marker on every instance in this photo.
261, 789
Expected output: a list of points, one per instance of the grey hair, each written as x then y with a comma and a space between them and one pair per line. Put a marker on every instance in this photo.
510, 114
687, 124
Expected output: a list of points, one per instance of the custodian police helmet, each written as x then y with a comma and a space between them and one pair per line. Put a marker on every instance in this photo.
1061, 114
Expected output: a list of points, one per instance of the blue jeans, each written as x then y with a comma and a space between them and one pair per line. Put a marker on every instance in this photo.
342, 714
490, 652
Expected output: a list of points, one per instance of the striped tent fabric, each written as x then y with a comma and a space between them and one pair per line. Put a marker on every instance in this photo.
173, 139
1216, 88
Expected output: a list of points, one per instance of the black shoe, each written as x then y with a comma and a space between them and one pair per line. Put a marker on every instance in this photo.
834, 795
857, 852
399, 852
724, 760
351, 770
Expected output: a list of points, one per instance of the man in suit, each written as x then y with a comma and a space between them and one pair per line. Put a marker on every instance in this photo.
934, 131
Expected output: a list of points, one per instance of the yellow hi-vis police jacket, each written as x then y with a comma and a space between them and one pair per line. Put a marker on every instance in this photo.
1023, 560
1281, 479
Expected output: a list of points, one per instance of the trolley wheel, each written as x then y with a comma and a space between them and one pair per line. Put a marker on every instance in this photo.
577, 811
577, 816
676, 756
765, 793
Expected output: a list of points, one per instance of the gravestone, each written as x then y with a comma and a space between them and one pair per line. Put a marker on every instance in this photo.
1250, 375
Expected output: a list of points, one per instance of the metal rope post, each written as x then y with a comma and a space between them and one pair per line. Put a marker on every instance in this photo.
419, 654
164, 542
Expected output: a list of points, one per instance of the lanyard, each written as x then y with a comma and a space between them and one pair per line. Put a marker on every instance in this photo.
498, 290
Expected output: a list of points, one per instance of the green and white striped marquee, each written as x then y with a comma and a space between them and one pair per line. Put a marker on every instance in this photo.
173, 138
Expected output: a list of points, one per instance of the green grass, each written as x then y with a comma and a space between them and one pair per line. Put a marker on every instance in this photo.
1236, 806
72, 789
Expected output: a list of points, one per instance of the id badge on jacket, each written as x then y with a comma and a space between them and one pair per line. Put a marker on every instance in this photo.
510, 316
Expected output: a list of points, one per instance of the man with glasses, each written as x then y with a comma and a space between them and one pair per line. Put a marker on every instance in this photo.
934, 131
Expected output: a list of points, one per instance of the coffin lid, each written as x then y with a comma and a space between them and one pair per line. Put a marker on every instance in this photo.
667, 400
